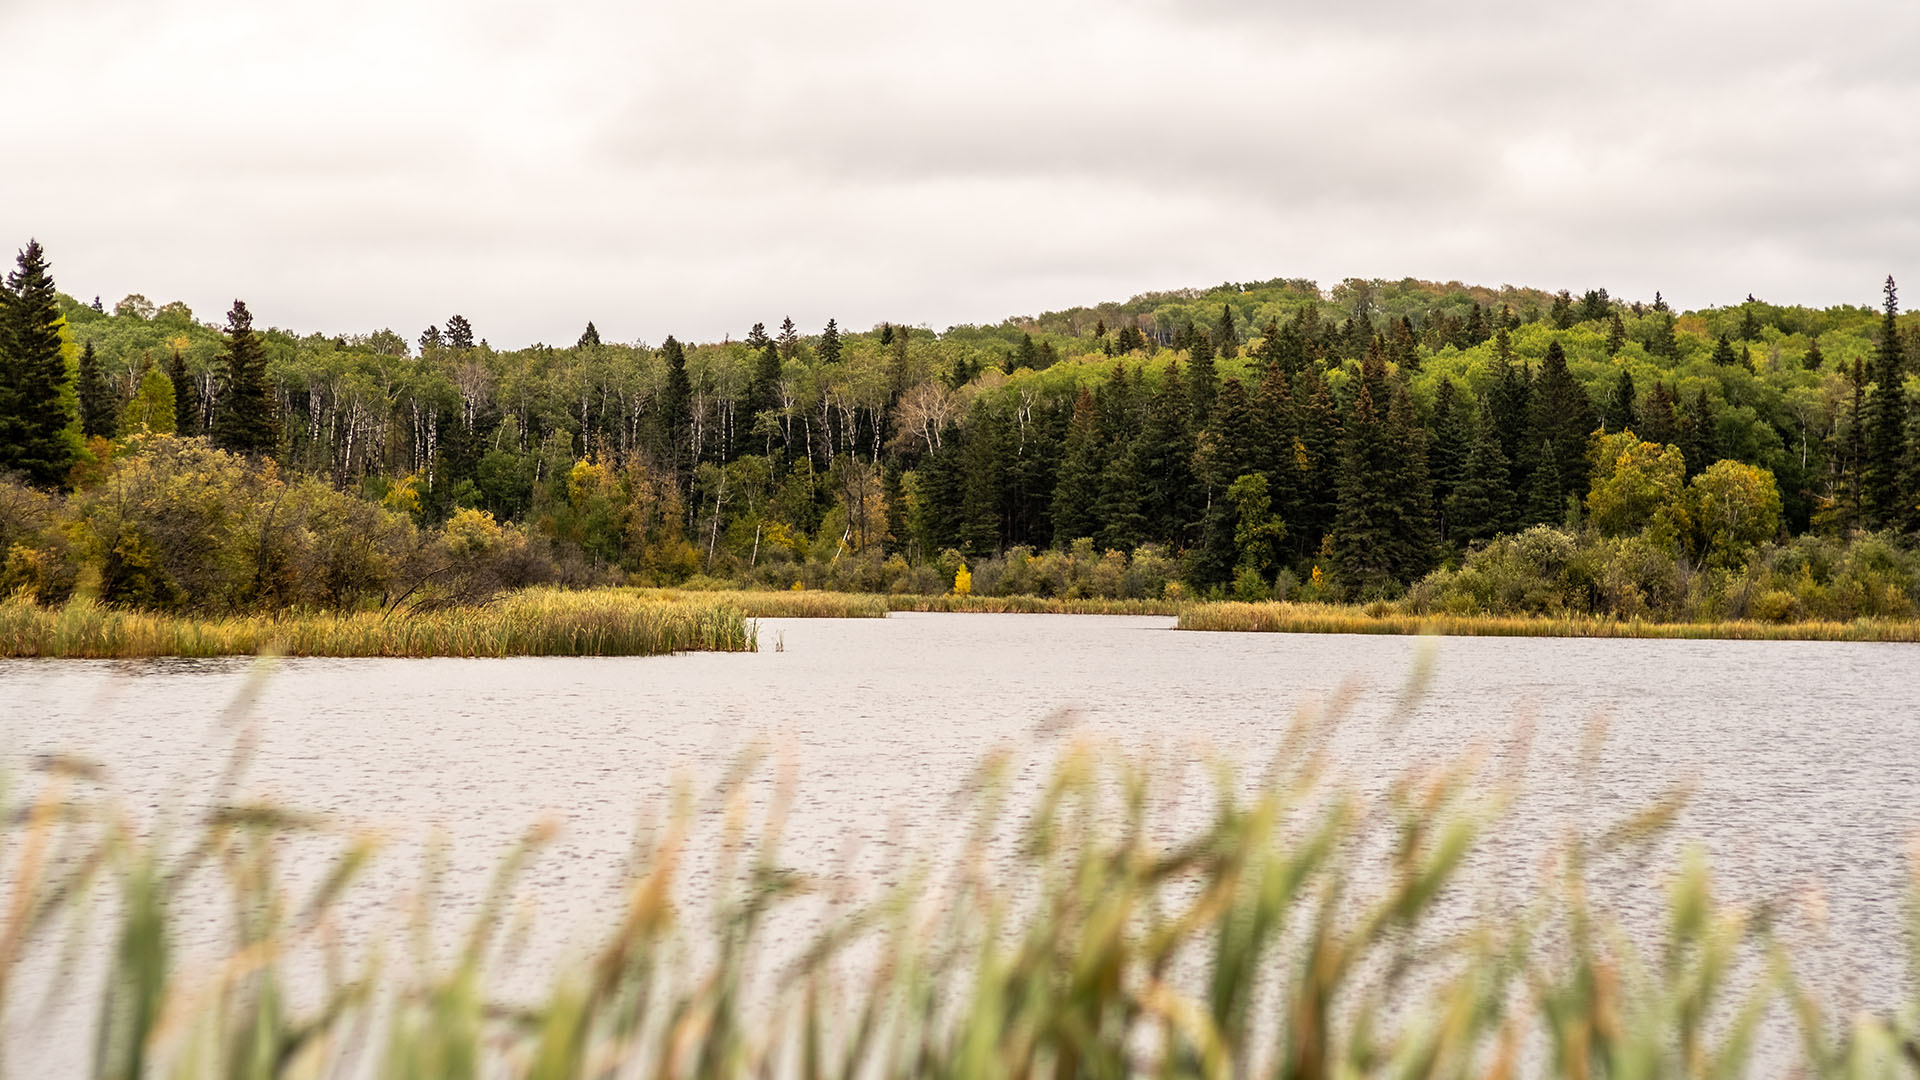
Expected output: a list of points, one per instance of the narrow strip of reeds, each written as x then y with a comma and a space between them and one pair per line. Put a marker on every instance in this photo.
1033, 605
535, 622
1289, 618
781, 604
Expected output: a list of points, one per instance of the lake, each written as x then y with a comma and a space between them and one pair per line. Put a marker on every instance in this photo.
1802, 755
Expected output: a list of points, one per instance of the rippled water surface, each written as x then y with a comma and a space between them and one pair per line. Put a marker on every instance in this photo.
1803, 756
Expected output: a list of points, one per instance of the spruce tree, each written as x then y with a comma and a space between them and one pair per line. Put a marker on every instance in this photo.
1408, 491
1362, 540
244, 418
1813, 360
1660, 421
829, 350
1403, 349
1616, 334
186, 396
589, 336
1318, 458
1562, 422
1621, 412
1227, 451
789, 339
675, 420
1546, 492
1162, 463
983, 481
1886, 422
1229, 334
1749, 323
1077, 482
98, 402
1481, 506
1664, 342
459, 332
1723, 354
1452, 441
1026, 355
1202, 384
1277, 433
36, 407
1476, 330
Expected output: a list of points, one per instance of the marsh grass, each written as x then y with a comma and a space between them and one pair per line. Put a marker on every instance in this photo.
1294, 930
780, 603
1034, 605
533, 622
1292, 618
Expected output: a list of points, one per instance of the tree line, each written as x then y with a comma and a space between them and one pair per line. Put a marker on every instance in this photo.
1364, 435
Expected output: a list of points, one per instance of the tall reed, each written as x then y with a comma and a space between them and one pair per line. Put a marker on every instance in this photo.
534, 622
1297, 618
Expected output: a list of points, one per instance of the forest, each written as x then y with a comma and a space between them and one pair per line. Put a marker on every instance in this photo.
1456, 447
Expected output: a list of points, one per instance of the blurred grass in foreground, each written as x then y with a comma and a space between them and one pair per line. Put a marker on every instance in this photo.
532, 622
1297, 931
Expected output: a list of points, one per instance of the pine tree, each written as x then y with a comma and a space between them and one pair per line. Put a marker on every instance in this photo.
459, 332
589, 336
244, 418
1723, 354
1408, 491
757, 338
98, 402
431, 339
1026, 356
1481, 506
1664, 342
1202, 382
789, 339
1562, 316
1227, 451
1621, 411
1403, 349
186, 396
1813, 360
36, 407
829, 350
1229, 333
1886, 422
1476, 331
1749, 323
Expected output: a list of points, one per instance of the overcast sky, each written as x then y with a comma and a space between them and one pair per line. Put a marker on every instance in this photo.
690, 168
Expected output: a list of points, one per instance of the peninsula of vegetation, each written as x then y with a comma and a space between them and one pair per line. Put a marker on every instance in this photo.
1378, 455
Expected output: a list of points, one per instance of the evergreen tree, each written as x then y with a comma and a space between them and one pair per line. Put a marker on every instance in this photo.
1546, 491
1746, 358
589, 336
1562, 316
1481, 506
1317, 454
1664, 342
983, 481
829, 350
186, 396
1562, 423
675, 419
1512, 401
941, 486
1621, 413
36, 406
1026, 356
1452, 441
1077, 484
1813, 360
1723, 354
1616, 334
1229, 333
757, 338
789, 339
1697, 434
1162, 463
1202, 382
459, 332
244, 418
1362, 540
1276, 439
431, 339
1227, 451
98, 402
1476, 331
1749, 323
1886, 423
1403, 349
1660, 422
1408, 491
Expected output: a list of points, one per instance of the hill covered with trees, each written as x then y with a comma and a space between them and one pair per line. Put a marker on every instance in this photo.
1256, 439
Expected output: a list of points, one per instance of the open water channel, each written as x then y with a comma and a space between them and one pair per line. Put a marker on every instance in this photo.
1804, 757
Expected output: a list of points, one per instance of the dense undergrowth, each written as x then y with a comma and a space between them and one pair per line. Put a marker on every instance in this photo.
1296, 930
